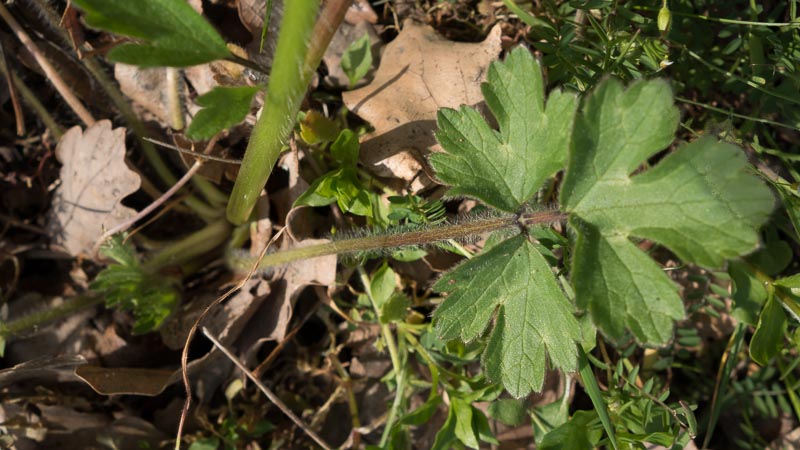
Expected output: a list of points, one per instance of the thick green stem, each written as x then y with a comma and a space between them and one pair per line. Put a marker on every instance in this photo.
403, 239
192, 246
301, 45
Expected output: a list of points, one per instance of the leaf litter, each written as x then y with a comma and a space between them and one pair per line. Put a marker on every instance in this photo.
94, 180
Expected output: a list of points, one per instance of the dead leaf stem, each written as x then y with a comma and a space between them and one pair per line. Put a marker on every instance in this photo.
19, 118
330, 18
49, 70
174, 100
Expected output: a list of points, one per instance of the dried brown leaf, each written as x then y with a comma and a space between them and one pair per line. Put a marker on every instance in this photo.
94, 180
419, 73
125, 380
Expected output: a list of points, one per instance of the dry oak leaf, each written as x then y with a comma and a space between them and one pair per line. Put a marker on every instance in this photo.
94, 180
419, 73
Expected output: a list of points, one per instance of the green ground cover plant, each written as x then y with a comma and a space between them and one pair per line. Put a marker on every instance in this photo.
588, 179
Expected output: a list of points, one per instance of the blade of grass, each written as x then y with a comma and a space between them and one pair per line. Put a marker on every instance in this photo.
596, 395
733, 114
723, 377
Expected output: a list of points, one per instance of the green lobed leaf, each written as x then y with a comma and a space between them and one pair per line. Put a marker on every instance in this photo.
446, 436
767, 340
316, 128
464, 430
699, 201
223, 107
534, 318
505, 168
509, 411
172, 33
357, 59
341, 186
578, 433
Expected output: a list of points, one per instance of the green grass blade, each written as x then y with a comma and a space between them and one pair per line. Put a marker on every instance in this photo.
593, 389
723, 376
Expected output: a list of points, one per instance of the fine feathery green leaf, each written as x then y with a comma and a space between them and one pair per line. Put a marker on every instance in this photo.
699, 201
117, 249
223, 107
534, 318
171, 32
127, 286
506, 168
357, 59
767, 340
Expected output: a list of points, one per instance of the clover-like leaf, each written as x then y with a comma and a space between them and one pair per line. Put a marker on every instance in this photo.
699, 201
534, 318
506, 168
170, 31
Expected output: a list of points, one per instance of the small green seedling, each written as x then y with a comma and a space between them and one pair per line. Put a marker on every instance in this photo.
357, 59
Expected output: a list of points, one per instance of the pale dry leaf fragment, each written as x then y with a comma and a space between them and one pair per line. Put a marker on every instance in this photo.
360, 11
420, 72
148, 88
94, 180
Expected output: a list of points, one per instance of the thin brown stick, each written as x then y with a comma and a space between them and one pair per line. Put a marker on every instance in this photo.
198, 155
193, 330
49, 70
30, 99
270, 395
329, 20
12, 91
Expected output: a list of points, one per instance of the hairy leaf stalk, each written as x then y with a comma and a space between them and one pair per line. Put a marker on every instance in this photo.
411, 238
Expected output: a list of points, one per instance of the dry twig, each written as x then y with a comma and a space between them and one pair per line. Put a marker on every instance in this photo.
49, 70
